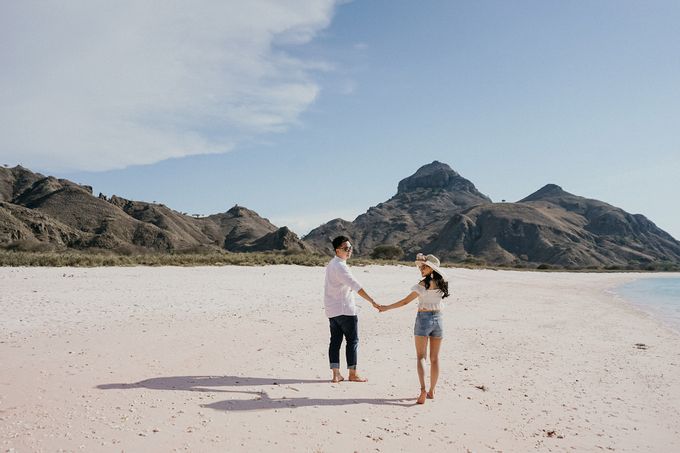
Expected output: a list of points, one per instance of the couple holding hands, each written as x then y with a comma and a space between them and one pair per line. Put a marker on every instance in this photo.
342, 314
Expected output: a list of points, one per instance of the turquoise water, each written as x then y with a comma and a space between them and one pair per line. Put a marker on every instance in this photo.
658, 296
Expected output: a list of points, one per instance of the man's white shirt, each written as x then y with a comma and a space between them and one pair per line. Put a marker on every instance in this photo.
339, 289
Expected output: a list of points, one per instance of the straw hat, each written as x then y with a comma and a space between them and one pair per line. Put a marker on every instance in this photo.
432, 262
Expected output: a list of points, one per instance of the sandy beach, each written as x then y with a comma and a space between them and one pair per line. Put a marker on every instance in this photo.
235, 359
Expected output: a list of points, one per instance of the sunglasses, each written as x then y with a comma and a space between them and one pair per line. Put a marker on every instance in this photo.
347, 248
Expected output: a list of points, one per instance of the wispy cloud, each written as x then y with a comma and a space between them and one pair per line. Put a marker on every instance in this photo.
96, 85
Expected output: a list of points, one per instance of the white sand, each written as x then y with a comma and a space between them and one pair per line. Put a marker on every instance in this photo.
235, 359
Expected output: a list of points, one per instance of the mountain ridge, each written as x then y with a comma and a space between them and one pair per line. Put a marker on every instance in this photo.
422, 203
434, 210
550, 226
39, 209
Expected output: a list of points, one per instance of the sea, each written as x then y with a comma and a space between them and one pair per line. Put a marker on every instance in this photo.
659, 297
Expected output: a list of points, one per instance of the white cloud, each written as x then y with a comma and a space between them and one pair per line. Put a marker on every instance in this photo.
97, 85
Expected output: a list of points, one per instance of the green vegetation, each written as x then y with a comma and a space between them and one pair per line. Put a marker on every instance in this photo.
387, 252
101, 258
96, 258
75, 258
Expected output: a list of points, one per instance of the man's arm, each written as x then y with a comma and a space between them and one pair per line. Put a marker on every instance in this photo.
365, 295
346, 277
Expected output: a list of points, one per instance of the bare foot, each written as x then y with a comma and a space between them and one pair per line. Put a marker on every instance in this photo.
421, 398
337, 378
430, 395
357, 378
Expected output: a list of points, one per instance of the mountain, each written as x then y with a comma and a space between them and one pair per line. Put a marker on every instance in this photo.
244, 230
18, 223
422, 205
39, 209
437, 211
555, 227
14, 181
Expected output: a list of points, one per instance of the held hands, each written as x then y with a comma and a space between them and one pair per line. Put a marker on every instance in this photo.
377, 306
380, 308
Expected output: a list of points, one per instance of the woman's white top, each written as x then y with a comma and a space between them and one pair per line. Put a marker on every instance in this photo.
428, 299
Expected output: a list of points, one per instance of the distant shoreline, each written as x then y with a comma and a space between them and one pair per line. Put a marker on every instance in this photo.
654, 295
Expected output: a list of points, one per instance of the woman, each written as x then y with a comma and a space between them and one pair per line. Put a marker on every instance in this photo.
430, 291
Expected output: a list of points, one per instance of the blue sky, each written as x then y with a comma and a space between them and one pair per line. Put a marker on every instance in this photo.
310, 110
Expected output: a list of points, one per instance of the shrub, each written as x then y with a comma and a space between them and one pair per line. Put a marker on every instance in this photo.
387, 252
27, 245
471, 261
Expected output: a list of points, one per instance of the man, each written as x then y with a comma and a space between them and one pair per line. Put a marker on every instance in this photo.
341, 310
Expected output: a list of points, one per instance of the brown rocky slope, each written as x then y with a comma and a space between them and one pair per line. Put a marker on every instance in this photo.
435, 210
422, 206
35, 209
438, 211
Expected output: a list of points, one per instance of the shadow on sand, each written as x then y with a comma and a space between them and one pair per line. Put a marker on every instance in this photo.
265, 402
261, 401
205, 383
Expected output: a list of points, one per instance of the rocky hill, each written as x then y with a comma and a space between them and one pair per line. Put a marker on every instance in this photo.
423, 204
437, 211
35, 209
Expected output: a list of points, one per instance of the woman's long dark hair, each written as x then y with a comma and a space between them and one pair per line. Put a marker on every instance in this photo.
442, 285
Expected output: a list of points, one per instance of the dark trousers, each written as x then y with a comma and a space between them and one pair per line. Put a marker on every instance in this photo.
346, 326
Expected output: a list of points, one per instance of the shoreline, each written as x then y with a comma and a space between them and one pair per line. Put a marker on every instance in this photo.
652, 309
201, 358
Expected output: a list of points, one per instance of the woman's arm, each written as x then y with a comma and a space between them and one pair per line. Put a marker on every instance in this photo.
406, 300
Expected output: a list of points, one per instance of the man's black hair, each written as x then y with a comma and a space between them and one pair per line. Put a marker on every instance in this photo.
338, 241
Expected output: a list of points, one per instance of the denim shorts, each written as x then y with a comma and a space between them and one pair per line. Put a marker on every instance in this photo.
429, 324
